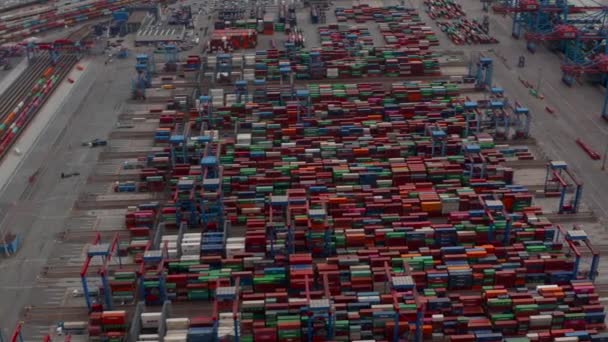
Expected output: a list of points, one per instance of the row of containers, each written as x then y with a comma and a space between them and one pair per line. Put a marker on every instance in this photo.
15, 121
327, 63
399, 26
347, 50
275, 316
56, 18
391, 104
373, 217
398, 36
452, 19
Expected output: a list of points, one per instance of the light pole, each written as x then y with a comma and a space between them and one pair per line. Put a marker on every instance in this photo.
540, 73
604, 158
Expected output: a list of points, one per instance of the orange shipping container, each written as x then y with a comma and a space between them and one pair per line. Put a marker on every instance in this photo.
48, 72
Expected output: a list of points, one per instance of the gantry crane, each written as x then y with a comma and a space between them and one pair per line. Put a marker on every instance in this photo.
151, 275
560, 181
578, 243
598, 65
402, 286
539, 17
105, 251
498, 218
438, 139
171, 58
227, 298
587, 54
276, 228
560, 33
319, 310
145, 68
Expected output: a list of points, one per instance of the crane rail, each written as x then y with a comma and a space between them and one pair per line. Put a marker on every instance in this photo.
80, 34
20, 91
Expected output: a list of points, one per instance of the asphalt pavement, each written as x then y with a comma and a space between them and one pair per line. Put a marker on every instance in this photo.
38, 211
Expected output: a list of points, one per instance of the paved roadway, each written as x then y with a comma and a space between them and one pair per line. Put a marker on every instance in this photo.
8, 76
39, 213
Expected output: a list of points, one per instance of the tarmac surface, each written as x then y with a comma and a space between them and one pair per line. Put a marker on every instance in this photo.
38, 210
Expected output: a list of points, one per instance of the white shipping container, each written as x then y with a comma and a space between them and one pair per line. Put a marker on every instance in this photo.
532, 336
177, 332
172, 253
190, 248
251, 210
189, 258
437, 318
176, 338
252, 304
382, 306
115, 313
177, 323
169, 238
150, 319
548, 287
192, 239
243, 138
75, 325
190, 234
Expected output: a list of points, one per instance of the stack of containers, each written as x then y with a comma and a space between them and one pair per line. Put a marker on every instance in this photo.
191, 246
217, 97
464, 31
57, 17
344, 36
400, 27
212, 243
159, 160
177, 329
342, 60
150, 325
201, 332
444, 9
108, 325
168, 217
162, 135
123, 286
458, 27
407, 34
172, 242
140, 221
235, 246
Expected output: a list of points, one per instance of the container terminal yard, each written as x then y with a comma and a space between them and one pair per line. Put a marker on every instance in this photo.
346, 170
